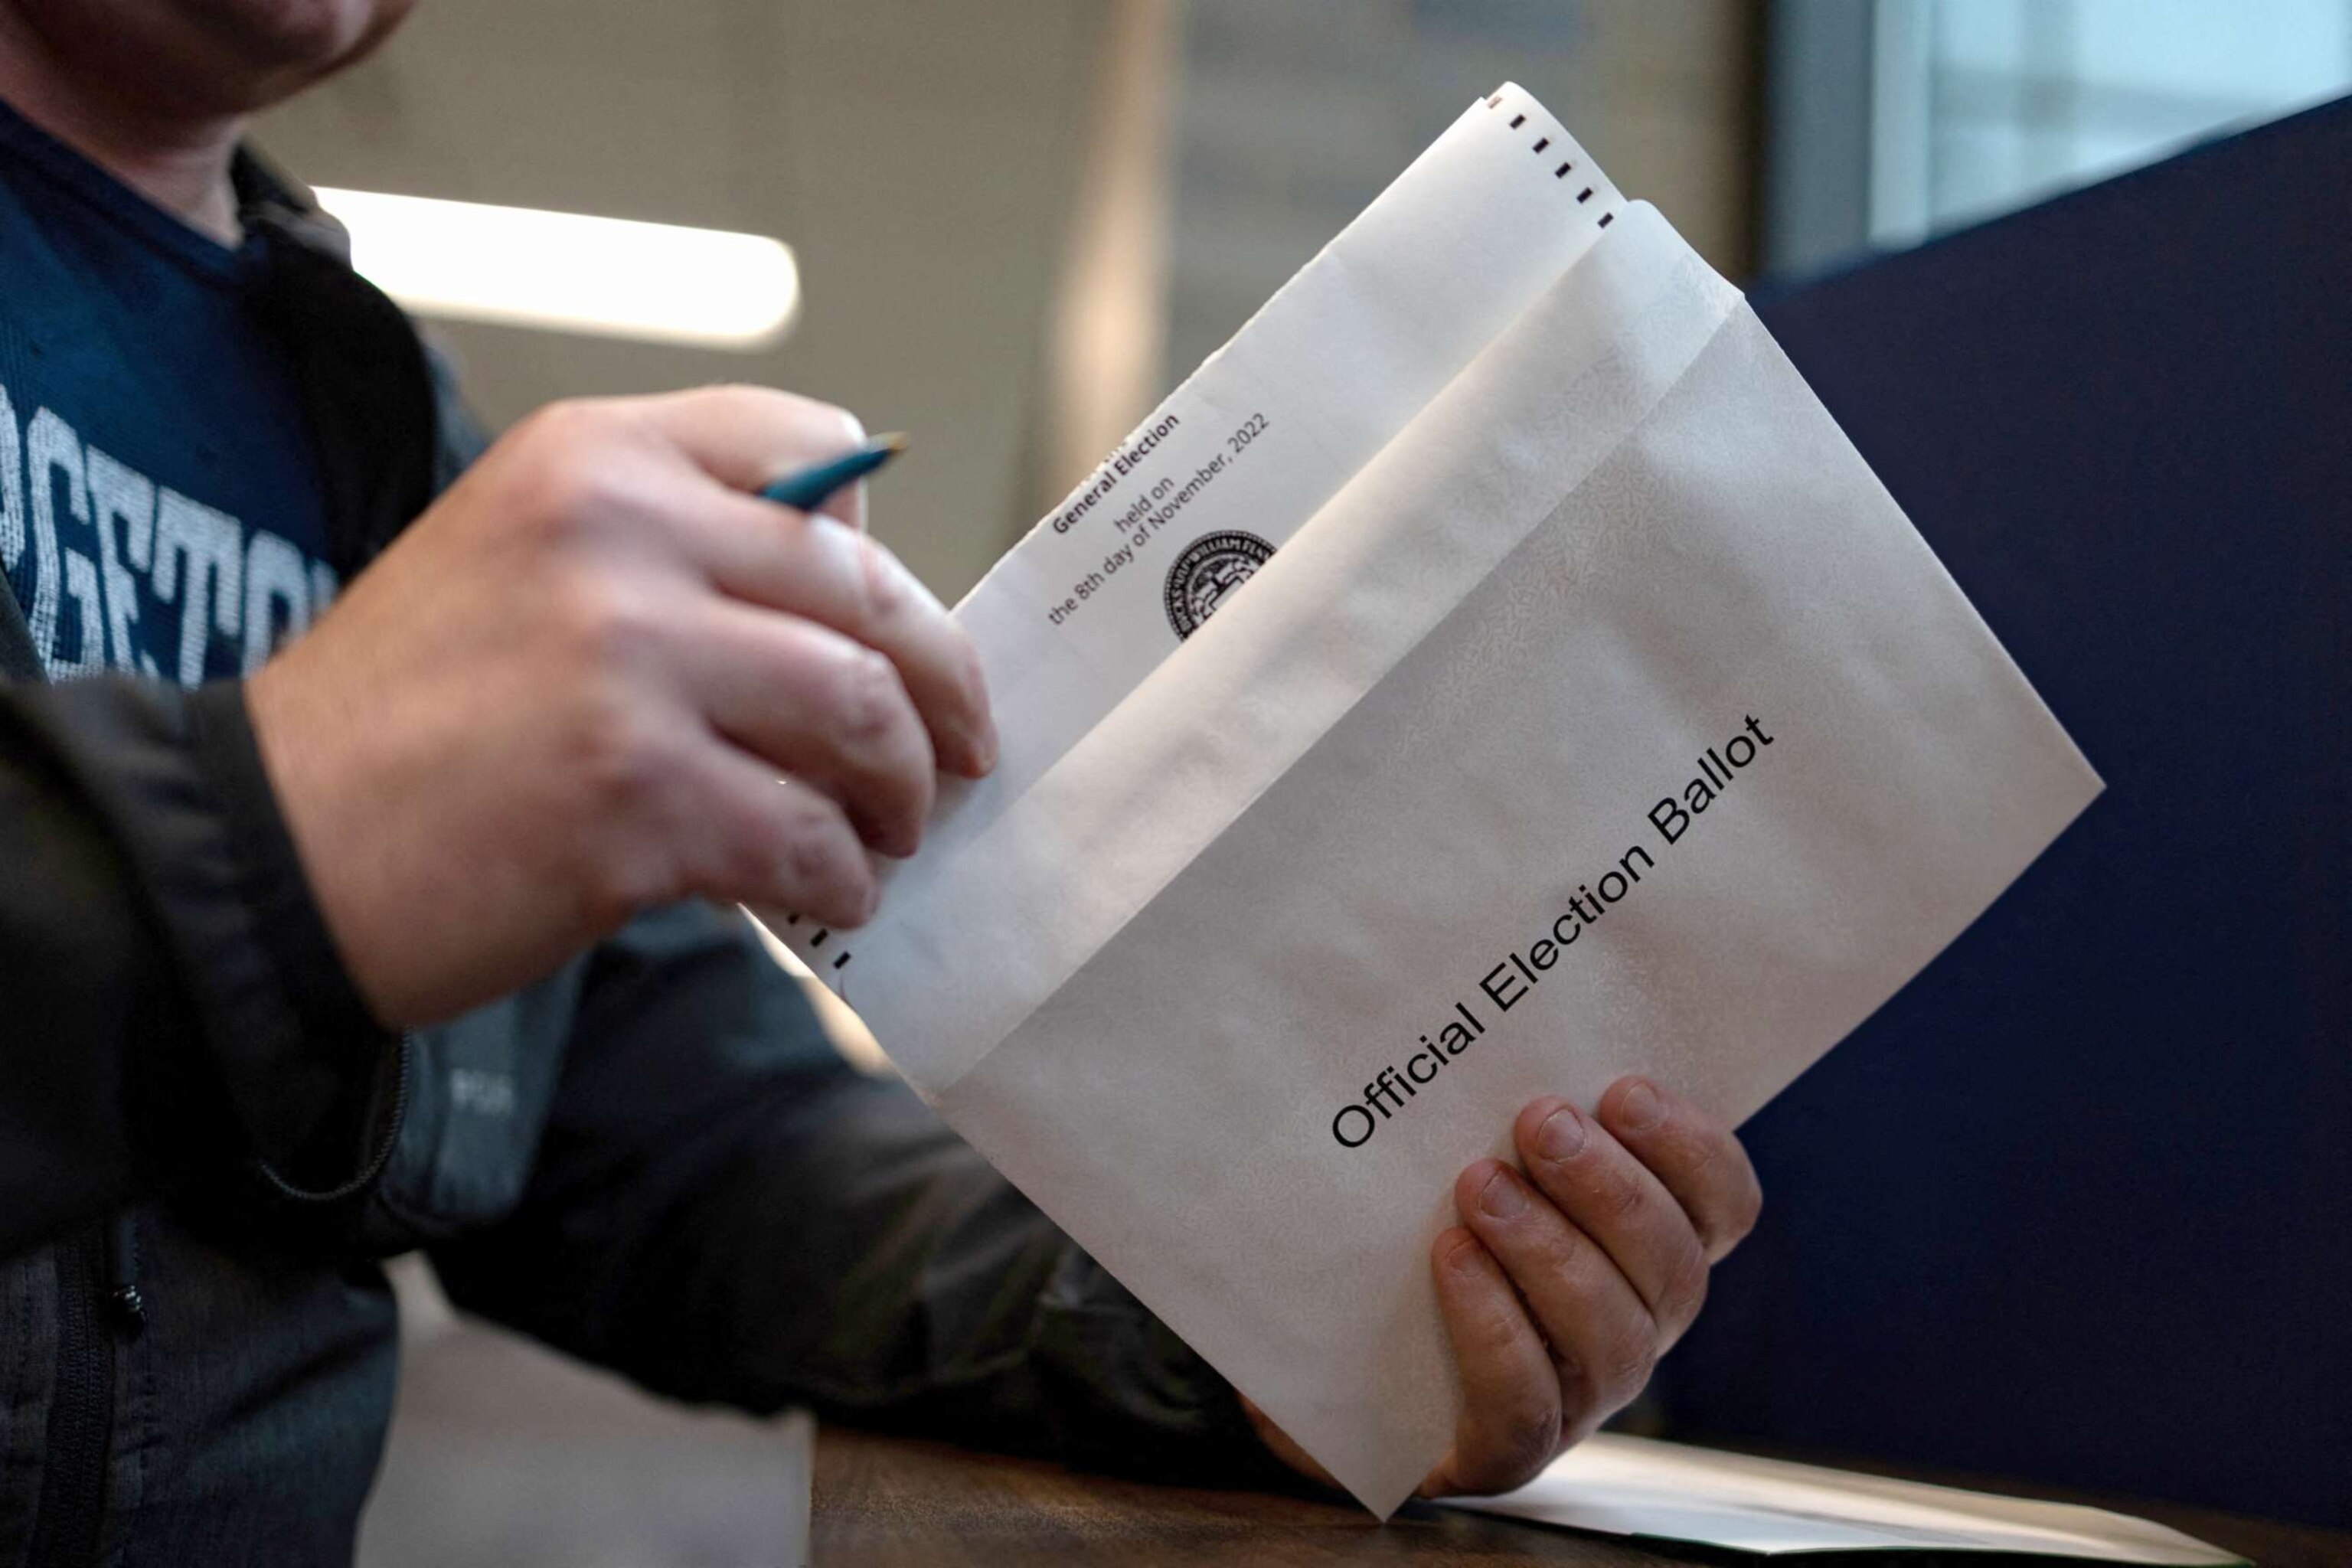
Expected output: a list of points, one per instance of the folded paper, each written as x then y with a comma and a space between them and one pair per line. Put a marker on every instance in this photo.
1490, 674
1614, 1485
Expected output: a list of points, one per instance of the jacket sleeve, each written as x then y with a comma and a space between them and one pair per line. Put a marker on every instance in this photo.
725, 1211
167, 987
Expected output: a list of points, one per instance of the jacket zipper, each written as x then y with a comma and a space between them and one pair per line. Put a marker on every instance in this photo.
81, 1411
387, 1142
97, 1294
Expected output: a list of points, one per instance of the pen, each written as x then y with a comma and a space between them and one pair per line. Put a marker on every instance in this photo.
808, 488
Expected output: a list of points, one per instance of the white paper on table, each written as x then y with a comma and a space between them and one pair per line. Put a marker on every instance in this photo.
1560, 533
1632, 1486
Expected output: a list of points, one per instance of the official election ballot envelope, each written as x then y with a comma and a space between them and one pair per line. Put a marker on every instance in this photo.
1490, 674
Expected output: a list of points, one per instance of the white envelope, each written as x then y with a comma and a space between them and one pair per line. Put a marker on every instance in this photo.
1513, 679
1631, 1485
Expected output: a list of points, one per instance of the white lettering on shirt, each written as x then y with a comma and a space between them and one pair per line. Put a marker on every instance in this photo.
249, 586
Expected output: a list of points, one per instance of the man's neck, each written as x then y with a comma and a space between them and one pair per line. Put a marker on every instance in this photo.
180, 162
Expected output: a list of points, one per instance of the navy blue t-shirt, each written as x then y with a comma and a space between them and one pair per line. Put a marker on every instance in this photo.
162, 506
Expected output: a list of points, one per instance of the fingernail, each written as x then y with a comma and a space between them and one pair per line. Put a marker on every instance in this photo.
1641, 1108
1464, 1254
1561, 1136
984, 747
1502, 1196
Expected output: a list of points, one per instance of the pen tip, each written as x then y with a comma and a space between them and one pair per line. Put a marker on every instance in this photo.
890, 440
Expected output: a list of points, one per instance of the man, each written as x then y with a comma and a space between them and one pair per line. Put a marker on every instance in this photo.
413, 932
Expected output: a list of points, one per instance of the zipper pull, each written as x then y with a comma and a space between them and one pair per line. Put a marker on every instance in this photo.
123, 1301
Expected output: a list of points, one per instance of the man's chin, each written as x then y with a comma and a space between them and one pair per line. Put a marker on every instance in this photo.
283, 45
216, 56
292, 36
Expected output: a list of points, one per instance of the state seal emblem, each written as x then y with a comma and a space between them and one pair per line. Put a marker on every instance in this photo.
1211, 568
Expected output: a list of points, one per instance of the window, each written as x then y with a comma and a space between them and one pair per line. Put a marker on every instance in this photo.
1974, 107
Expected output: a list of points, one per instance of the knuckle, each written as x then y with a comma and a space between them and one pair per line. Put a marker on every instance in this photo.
734, 837
1685, 1287
606, 629
624, 778
1627, 1370
560, 433
1500, 1328
1566, 1255
1525, 1439
1619, 1194
1578, 1389
736, 858
612, 754
558, 427
562, 499
1504, 1443
820, 861
881, 581
572, 496
1698, 1151
867, 702
576, 465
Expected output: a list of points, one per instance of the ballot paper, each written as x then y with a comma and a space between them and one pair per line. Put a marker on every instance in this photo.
1491, 673
1631, 1485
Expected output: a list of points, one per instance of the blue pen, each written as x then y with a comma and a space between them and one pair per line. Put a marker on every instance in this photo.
809, 489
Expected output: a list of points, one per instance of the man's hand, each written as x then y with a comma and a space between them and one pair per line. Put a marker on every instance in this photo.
599, 675
1572, 1274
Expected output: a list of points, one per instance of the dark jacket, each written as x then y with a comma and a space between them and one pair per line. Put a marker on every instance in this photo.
652, 1159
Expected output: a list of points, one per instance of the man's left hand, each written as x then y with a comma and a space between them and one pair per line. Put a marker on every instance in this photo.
1572, 1273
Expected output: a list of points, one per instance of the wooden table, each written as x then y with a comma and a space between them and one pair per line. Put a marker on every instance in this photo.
505, 1456
884, 1501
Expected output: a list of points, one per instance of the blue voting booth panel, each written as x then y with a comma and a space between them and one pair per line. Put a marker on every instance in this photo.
2076, 1207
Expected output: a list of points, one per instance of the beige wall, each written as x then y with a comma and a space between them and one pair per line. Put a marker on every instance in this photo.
940, 167
919, 155
1297, 112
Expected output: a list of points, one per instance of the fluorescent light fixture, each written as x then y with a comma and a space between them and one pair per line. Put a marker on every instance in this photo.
569, 272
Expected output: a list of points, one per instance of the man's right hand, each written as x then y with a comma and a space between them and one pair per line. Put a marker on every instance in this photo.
599, 675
